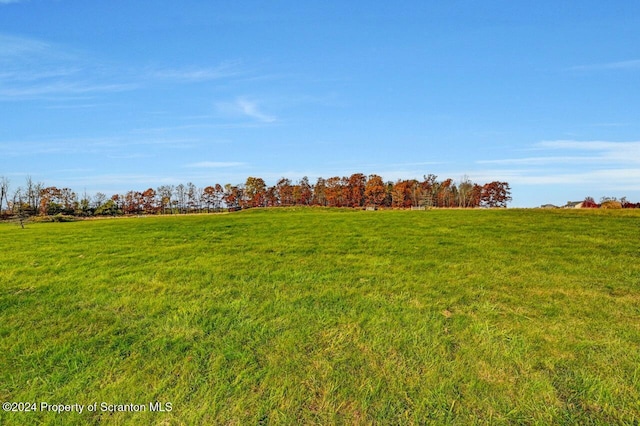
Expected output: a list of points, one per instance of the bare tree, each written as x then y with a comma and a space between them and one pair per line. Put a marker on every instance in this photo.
194, 197
165, 192
181, 195
99, 199
465, 190
4, 190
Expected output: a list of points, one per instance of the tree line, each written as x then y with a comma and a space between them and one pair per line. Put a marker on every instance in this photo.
355, 191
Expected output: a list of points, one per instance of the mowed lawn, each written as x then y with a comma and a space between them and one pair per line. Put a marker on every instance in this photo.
314, 316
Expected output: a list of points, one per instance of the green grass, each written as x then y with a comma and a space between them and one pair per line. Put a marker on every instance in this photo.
316, 316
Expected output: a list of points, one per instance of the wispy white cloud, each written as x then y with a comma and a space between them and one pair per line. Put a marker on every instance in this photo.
26, 75
215, 164
606, 151
244, 107
619, 65
605, 178
576, 153
199, 74
114, 146
251, 109
23, 50
598, 166
541, 161
62, 88
36, 69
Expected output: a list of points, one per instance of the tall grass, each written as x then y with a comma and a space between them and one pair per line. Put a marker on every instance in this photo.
315, 316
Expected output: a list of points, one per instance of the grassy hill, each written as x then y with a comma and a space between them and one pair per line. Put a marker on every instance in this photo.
314, 316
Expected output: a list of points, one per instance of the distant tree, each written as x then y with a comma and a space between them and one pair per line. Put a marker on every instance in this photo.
17, 204
69, 201
149, 201
415, 193
611, 204
194, 197
465, 192
626, 204
209, 197
388, 194
333, 192
165, 194
399, 194
355, 188
255, 192
446, 193
319, 192
271, 197
284, 190
98, 199
4, 191
84, 207
108, 208
219, 193
430, 190
589, 203
305, 192
50, 201
476, 195
296, 194
495, 194
133, 202
32, 194
605, 198
374, 191
181, 198
232, 196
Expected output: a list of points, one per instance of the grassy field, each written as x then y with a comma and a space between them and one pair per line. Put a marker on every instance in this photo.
316, 316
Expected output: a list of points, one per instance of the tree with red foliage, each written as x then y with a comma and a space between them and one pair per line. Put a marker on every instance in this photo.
255, 192
208, 197
589, 203
285, 192
149, 202
304, 194
232, 196
271, 197
495, 194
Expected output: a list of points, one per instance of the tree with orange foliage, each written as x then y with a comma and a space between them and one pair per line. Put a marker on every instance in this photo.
334, 192
401, 194
355, 190
374, 191
319, 192
304, 194
149, 202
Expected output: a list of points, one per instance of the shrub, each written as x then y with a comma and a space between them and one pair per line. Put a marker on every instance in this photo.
589, 203
63, 218
40, 219
610, 204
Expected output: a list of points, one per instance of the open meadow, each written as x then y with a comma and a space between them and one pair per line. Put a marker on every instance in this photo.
324, 316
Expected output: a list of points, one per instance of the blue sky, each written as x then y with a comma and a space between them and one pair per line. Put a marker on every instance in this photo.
117, 95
